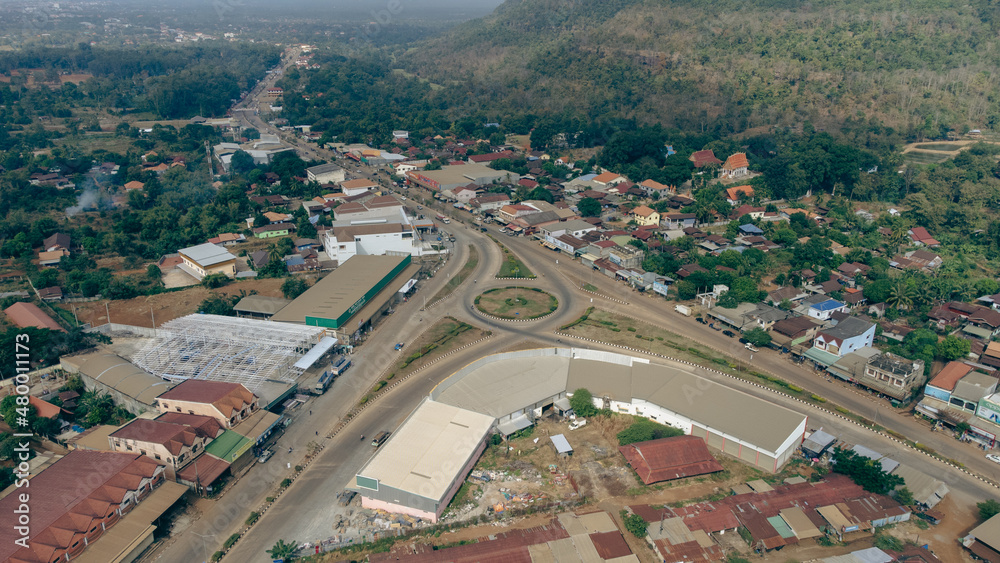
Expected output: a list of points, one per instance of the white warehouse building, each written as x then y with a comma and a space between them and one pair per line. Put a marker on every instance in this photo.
513, 389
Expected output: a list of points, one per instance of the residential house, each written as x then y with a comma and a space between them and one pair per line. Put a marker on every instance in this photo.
688, 269
854, 297
576, 228
750, 230
358, 186
847, 336
704, 158
921, 237
273, 230
227, 239
733, 194
791, 293
206, 259
54, 293
736, 166
228, 403
567, 243
984, 540
173, 444
601, 248
51, 258
326, 174
675, 221
57, 241
991, 355
822, 310
753, 212
275, 217
917, 260
892, 375
942, 384
134, 185
608, 179
489, 202
260, 258
644, 215
490, 157
512, 211
650, 187
793, 331
401, 168
626, 256
764, 317
464, 194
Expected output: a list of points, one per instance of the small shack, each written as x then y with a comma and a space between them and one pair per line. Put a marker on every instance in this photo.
562, 445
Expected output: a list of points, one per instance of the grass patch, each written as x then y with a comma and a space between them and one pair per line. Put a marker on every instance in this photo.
583, 318
512, 267
517, 302
460, 277
590, 287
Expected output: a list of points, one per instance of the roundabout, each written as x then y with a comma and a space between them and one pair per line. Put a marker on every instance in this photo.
516, 303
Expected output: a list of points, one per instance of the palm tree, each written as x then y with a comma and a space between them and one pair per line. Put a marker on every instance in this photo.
926, 294
900, 295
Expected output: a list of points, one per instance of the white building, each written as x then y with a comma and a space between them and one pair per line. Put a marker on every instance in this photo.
378, 227
358, 186
326, 174
850, 335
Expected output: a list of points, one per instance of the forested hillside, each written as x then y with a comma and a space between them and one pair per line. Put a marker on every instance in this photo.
920, 67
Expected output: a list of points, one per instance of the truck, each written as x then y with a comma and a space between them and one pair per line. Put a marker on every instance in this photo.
323, 383
443, 219
339, 365
683, 309
380, 438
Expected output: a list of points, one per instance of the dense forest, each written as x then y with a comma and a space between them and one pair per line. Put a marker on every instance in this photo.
170, 82
919, 67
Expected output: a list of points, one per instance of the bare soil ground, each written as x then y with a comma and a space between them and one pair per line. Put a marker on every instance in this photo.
169, 306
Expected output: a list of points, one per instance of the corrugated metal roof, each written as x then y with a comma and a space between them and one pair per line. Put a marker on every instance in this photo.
561, 444
206, 254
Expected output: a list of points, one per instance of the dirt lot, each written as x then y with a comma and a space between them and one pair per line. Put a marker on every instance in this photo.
169, 306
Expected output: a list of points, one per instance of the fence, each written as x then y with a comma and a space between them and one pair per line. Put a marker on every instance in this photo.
124, 330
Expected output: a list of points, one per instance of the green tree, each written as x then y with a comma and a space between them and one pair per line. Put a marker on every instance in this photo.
634, 524
865, 472
758, 337
283, 550
153, 273
219, 305
900, 295
988, 508
213, 281
904, 496
589, 207
241, 162
953, 348
293, 287
582, 403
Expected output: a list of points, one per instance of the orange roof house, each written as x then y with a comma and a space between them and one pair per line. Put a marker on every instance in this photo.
733, 194
29, 314
736, 166
134, 185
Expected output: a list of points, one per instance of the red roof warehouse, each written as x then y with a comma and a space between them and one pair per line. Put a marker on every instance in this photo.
670, 458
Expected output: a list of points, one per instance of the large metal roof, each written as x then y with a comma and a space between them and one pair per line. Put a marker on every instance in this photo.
207, 254
120, 374
429, 449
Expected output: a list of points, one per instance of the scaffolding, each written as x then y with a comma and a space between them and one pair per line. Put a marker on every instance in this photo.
230, 349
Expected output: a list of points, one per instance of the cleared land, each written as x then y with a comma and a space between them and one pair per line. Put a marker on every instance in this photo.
516, 302
460, 277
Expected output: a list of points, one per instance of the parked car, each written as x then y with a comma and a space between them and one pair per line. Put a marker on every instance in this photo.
993, 457
399, 346
729, 333
751, 347
266, 455
482, 229
701, 320
744, 341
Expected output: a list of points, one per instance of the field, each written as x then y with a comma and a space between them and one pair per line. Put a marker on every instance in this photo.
516, 302
914, 157
167, 306
949, 147
461, 276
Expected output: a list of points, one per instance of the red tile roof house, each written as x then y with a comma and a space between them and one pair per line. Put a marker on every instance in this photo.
229, 403
733, 194
670, 458
173, 444
29, 314
75, 501
920, 236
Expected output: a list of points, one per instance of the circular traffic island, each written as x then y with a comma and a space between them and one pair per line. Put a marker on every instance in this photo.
516, 303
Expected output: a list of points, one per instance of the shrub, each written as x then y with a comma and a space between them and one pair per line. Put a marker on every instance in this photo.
817, 398
285, 482
298, 468
231, 541
252, 518
217, 556
634, 524
268, 499
631, 329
